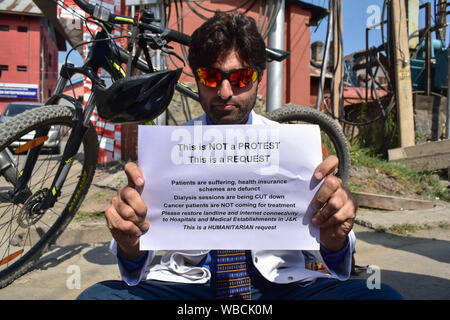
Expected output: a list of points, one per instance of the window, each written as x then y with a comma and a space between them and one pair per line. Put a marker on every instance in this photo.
22, 29
21, 68
3, 67
4, 27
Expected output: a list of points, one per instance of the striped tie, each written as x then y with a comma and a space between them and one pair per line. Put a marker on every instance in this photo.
231, 278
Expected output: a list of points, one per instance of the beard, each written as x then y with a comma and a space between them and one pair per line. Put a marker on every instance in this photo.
236, 112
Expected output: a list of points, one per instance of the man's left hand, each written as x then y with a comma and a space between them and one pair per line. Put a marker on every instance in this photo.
334, 205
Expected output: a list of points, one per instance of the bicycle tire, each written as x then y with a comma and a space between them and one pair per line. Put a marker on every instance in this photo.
290, 113
34, 239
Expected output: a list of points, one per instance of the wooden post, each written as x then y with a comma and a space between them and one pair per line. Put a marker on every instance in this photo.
403, 85
337, 57
413, 23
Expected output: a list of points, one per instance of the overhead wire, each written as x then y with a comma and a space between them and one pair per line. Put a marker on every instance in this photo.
375, 95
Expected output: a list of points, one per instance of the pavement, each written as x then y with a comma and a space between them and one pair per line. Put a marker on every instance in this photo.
408, 250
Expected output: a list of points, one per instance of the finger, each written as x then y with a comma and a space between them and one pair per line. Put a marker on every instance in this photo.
132, 198
134, 175
345, 214
326, 190
326, 167
338, 227
119, 227
332, 212
127, 213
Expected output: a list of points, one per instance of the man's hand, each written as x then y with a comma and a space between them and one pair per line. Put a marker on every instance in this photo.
126, 214
335, 206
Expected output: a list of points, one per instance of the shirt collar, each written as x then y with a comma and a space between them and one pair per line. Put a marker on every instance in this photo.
249, 121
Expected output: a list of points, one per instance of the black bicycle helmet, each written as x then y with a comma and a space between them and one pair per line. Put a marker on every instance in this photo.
136, 99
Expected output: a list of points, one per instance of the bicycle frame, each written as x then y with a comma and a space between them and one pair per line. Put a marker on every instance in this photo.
100, 56
107, 55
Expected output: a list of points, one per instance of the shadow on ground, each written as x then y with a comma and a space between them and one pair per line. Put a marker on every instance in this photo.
435, 249
97, 254
413, 286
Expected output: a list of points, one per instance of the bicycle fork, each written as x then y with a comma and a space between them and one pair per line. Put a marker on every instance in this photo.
81, 125
8, 165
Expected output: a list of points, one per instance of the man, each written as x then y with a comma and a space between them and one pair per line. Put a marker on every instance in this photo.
227, 56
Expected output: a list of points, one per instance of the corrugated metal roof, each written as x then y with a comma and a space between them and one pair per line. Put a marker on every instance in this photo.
20, 6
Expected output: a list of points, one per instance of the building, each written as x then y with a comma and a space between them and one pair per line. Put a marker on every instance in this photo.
29, 53
188, 15
299, 16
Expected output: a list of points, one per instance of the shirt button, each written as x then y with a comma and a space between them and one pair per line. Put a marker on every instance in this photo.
256, 259
290, 278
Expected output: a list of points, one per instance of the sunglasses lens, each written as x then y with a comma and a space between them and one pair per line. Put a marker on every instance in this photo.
208, 77
239, 78
243, 77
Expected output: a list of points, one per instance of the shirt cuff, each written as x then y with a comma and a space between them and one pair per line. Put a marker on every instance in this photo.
132, 265
334, 259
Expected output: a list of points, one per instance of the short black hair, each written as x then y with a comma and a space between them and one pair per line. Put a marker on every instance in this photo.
223, 33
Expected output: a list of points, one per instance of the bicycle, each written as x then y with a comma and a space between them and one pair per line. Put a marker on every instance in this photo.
41, 193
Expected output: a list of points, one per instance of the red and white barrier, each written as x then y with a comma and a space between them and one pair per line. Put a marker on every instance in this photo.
109, 134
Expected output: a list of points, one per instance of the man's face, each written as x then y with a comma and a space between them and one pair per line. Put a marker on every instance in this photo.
227, 104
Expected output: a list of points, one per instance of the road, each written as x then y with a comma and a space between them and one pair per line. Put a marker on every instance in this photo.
414, 263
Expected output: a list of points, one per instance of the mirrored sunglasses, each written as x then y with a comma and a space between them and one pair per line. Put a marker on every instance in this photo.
242, 77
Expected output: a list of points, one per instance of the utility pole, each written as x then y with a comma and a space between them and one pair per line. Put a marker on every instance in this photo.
275, 68
338, 53
442, 19
403, 85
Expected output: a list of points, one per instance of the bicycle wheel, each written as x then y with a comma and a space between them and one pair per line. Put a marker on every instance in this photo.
24, 234
333, 139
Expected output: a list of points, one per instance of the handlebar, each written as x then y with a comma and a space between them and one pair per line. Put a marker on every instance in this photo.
106, 15
86, 6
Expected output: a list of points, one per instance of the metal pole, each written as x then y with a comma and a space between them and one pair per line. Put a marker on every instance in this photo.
447, 124
325, 57
275, 68
367, 65
447, 130
428, 49
160, 14
338, 60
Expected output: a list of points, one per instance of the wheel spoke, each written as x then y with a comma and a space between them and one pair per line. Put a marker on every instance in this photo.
24, 232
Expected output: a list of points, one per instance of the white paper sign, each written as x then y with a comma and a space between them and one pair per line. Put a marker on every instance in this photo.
229, 186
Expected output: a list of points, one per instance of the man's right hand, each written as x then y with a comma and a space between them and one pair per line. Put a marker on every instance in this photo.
126, 214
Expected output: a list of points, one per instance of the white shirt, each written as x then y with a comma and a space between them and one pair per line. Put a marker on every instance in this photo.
278, 266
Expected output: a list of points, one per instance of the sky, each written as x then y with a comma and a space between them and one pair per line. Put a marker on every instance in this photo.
357, 15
